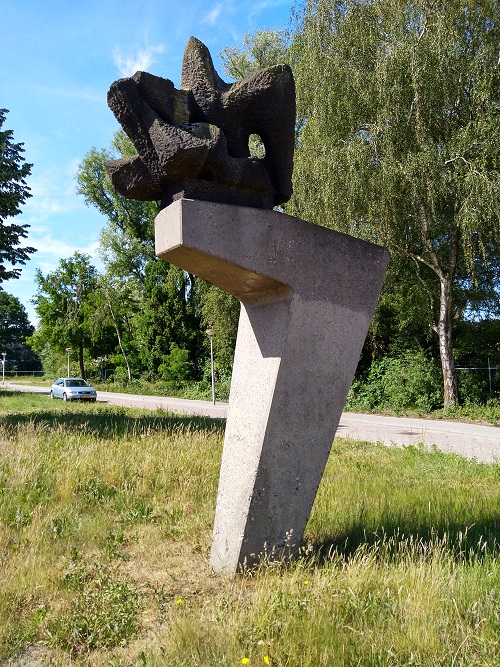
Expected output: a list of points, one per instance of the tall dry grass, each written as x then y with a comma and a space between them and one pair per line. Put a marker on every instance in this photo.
106, 517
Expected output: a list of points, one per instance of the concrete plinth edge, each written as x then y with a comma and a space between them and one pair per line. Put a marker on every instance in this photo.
307, 295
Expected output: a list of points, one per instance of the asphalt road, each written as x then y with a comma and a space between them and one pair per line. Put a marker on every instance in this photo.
469, 440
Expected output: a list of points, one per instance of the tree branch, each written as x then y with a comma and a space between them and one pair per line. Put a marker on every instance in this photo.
427, 240
454, 159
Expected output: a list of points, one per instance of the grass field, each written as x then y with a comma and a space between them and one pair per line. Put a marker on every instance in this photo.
105, 527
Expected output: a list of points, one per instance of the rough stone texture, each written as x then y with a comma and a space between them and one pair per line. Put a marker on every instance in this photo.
307, 294
193, 142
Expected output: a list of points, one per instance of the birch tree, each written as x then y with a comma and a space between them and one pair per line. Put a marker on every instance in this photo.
399, 139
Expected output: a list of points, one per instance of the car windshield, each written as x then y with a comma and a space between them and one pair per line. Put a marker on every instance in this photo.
76, 383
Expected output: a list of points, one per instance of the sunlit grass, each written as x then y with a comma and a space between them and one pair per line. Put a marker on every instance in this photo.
105, 528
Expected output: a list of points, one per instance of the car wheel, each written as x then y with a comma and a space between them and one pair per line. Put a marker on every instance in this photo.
65, 398
51, 395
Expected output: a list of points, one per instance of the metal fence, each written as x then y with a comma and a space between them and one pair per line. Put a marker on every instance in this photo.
12, 373
486, 378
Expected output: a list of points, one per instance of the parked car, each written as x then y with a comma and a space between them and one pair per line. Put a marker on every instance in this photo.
73, 389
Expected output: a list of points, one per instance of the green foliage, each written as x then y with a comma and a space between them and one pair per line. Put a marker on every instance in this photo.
477, 348
176, 367
219, 311
473, 387
401, 322
168, 316
261, 49
127, 242
398, 139
149, 304
64, 302
488, 412
13, 194
116, 299
412, 381
14, 329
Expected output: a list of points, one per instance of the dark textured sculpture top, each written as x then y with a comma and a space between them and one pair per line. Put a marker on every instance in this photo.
193, 142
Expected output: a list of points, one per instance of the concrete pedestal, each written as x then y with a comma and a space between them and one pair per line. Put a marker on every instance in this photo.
307, 295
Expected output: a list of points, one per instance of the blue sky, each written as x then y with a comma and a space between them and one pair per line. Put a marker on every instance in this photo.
58, 59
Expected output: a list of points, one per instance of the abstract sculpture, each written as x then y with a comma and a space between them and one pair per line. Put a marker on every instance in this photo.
193, 142
307, 293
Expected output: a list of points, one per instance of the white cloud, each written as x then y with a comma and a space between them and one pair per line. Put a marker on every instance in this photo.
49, 247
47, 259
129, 65
213, 15
42, 208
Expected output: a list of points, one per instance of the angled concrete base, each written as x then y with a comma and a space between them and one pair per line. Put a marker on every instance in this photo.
307, 294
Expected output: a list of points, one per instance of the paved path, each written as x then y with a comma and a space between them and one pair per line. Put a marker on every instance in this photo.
469, 440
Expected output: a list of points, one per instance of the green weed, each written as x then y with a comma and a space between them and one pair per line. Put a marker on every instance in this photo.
102, 614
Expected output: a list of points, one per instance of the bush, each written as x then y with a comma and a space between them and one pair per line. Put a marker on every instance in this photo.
119, 375
176, 366
412, 381
473, 386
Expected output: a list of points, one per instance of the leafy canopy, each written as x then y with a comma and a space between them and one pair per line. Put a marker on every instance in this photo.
399, 140
398, 110
64, 303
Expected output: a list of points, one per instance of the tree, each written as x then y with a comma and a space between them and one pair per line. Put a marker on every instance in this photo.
64, 303
13, 194
127, 250
168, 318
115, 303
127, 242
15, 328
219, 311
400, 323
261, 49
399, 140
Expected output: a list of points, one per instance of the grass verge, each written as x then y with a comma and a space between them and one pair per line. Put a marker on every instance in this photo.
105, 529
487, 413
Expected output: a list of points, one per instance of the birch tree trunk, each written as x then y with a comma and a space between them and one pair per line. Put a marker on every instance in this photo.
444, 332
118, 335
443, 325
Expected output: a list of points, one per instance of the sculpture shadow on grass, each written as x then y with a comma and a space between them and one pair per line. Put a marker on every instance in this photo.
397, 538
118, 423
